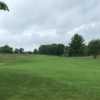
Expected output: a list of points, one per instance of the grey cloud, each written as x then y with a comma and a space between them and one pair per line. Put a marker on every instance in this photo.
33, 22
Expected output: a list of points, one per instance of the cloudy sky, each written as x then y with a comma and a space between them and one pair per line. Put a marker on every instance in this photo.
31, 23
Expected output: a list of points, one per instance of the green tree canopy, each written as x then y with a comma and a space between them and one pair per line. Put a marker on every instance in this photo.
3, 6
76, 47
94, 48
6, 49
52, 49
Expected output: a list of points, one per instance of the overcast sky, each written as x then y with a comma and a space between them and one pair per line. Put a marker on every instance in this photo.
33, 22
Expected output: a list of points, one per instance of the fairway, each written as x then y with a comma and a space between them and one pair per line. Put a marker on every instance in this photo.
38, 77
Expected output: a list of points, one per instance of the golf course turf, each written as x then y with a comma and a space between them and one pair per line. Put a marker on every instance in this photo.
39, 77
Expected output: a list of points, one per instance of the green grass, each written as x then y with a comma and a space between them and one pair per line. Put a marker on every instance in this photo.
31, 77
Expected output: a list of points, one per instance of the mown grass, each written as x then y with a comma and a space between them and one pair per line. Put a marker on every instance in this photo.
35, 77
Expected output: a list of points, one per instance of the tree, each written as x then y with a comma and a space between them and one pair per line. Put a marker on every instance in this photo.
66, 51
6, 49
86, 53
60, 49
43, 49
52, 49
76, 47
94, 48
19, 51
3, 6
35, 51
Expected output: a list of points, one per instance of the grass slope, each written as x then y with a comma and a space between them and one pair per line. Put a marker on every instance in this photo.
49, 78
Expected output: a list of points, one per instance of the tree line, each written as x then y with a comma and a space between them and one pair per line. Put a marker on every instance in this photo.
6, 49
77, 47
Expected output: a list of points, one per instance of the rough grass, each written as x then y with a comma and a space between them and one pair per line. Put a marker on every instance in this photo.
31, 77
